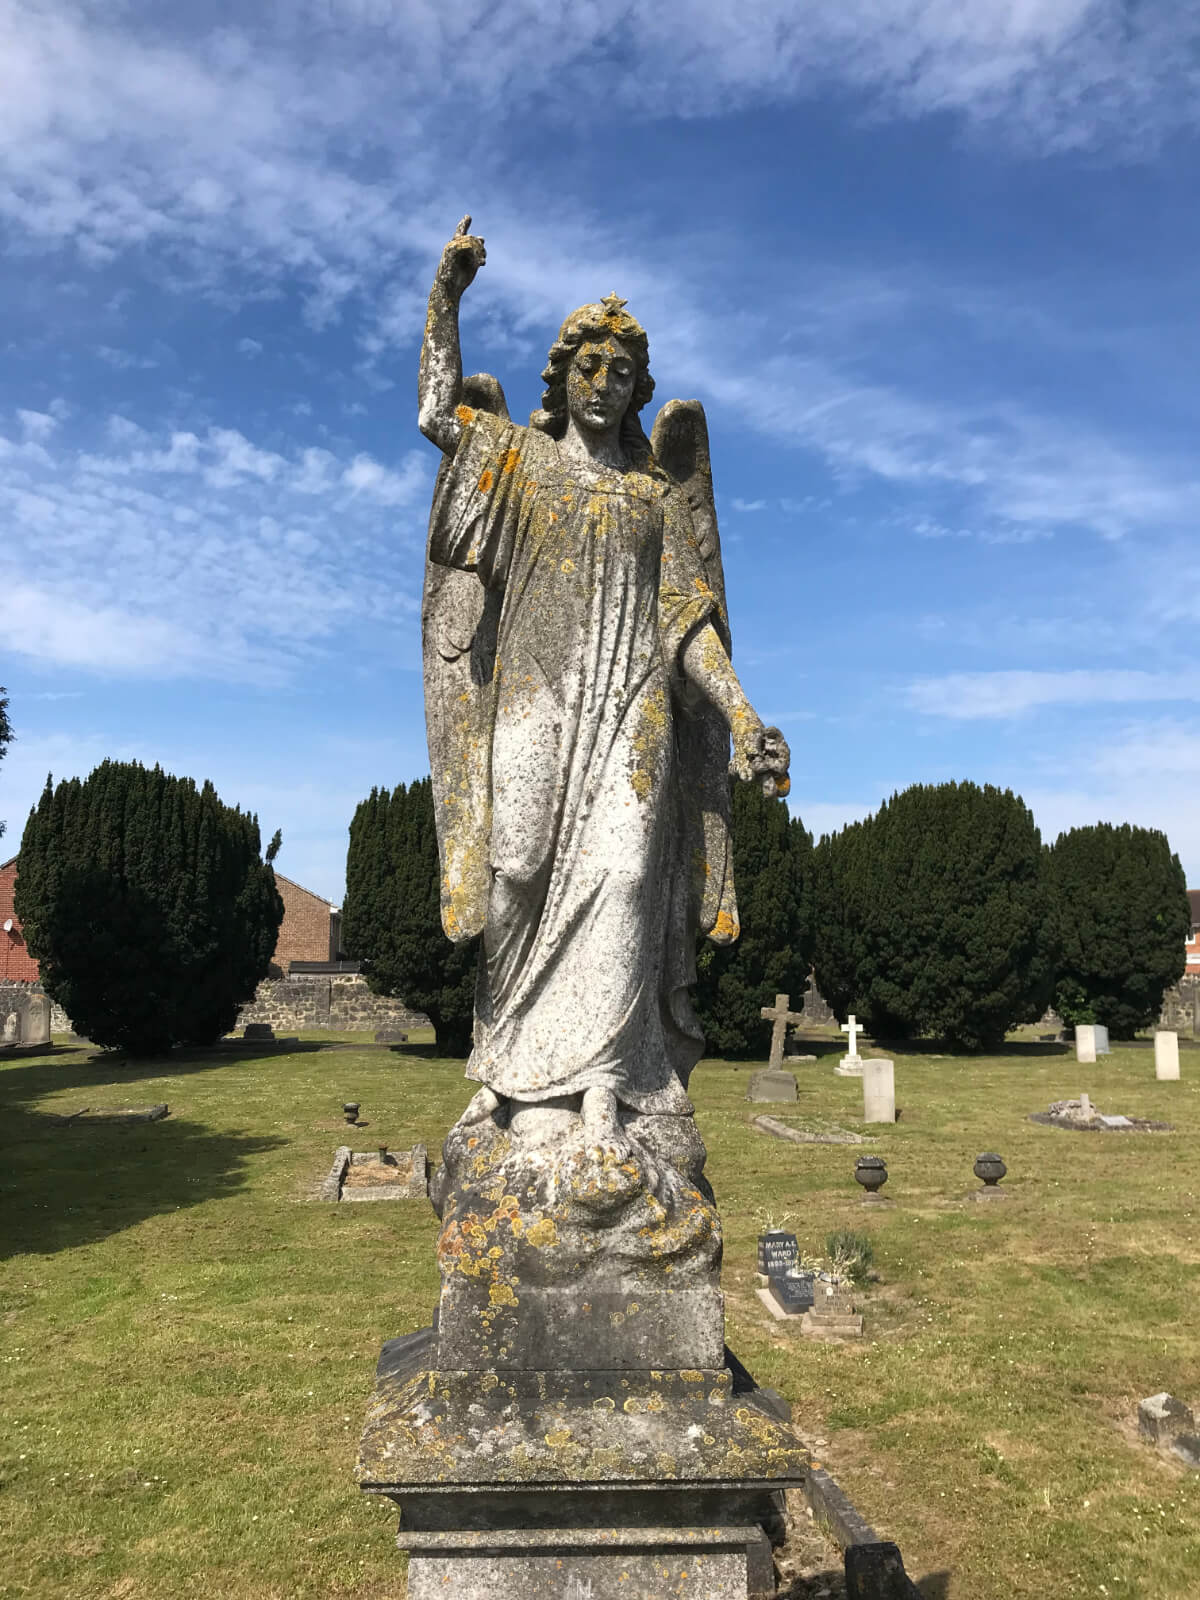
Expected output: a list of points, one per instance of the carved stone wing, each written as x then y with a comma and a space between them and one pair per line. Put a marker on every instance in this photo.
680, 445
459, 619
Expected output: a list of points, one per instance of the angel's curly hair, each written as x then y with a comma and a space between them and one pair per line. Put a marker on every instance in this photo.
597, 321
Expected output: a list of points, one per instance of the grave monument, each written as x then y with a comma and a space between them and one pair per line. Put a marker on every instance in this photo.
1166, 1055
851, 1064
573, 1424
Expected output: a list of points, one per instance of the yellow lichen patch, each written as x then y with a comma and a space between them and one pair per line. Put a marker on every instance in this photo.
783, 786
464, 414
509, 460
558, 1438
486, 479
725, 928
567, 566
542, 1234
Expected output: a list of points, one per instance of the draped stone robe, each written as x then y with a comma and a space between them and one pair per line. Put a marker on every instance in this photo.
587, 933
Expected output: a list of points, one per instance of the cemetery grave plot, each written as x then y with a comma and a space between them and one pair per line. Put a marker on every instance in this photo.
363, 1175
1081, 1116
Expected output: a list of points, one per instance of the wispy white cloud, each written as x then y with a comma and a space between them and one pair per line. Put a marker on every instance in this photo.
983, 695
203, 554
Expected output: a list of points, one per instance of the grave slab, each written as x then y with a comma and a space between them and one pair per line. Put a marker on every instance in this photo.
771, 1084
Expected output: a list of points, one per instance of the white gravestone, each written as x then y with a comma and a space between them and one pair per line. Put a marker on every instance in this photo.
37, 1020
879, 1090
1085, 1041
851, 1066
1103, 1048
1166, 1055
12, 1029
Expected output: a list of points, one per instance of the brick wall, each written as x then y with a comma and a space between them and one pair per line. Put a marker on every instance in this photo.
16, 964
307, 930
341, 1002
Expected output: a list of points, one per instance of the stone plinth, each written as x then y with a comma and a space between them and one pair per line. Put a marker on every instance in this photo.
832, 1315
1166, 1056
850, 1067
606, 1484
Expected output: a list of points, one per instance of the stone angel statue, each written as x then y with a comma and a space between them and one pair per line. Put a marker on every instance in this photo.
581, 706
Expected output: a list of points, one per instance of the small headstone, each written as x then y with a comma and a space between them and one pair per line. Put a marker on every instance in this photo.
1113, 1122
1103, 1048
37, 1020
1166, 1056
792, 1292
780, 1017
778, 1253
12, 1029
772, 1083
258, 1030
1085, 1041
1162, 1416
879, 1090
799, 1058
390, 1036
832, 1315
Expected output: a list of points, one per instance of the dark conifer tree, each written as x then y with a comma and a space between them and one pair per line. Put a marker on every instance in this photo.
391, 920
1123, 915
934, 916
147, 905
6, 733
771, 855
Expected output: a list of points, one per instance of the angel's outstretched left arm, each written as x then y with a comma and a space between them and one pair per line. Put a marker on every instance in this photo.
758, 752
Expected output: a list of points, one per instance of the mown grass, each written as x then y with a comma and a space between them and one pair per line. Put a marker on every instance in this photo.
187, 1345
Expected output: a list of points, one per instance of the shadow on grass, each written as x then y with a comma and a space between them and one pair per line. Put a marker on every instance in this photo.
936, 1586
63, 1185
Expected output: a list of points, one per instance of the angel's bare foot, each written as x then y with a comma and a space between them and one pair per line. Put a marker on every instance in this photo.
602, 1125
484, 1103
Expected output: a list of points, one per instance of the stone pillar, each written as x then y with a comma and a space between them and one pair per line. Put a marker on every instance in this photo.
879, 1090
1166, 1055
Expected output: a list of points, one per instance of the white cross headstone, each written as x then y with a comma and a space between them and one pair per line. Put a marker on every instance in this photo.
850, 1066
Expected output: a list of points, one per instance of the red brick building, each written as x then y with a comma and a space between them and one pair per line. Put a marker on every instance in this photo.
16, 964
311, 927
1193, 943
310, 930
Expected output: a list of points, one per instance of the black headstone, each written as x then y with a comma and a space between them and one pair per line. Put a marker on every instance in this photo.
777, 1252
793, 1295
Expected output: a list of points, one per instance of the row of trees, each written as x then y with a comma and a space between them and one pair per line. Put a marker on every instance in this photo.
148, 905
941, 916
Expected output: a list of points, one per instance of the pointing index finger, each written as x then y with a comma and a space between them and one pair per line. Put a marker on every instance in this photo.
460, 231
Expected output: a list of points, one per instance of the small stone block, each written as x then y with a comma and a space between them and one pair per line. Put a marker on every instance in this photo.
792, 1295
799, 1058
390, 1036
258, 1030
821, 1327
771, 1084
1187, 1447
876, 1572
1113, 1122
1162, 1416
849, 1067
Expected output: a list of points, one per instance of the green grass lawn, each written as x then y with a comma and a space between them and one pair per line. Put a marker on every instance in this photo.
186, 1345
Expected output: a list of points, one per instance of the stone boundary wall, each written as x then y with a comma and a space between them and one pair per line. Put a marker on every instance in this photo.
14, 996
341, 1002
1181, 1007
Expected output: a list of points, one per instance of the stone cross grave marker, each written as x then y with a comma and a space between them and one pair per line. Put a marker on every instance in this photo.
850, 1066
853, 1027
1166, 1055
779, 1016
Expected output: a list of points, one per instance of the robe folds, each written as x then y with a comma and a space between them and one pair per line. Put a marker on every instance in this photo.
581, 866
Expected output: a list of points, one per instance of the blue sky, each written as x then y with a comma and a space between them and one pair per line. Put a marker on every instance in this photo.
931, 267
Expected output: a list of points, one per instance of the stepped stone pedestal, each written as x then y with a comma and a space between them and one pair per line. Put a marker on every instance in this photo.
574, 1426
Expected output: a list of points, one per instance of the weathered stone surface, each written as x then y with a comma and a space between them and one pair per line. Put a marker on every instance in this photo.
340, 1002
11, 1033
783, 1130
1161, 1417
560, 1254
780, 1019
876, 1572
36, 1029
771, 1084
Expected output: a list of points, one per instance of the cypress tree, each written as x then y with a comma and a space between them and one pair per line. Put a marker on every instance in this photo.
147, 905
392, 921
1123, 916
935, 916
771, 856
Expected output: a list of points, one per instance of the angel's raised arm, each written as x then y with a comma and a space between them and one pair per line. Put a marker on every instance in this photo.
440, 383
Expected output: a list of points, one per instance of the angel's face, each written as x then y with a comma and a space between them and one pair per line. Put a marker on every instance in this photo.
600, 384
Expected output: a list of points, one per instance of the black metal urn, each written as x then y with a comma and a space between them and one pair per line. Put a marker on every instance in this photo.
989, 1168
871, 1172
